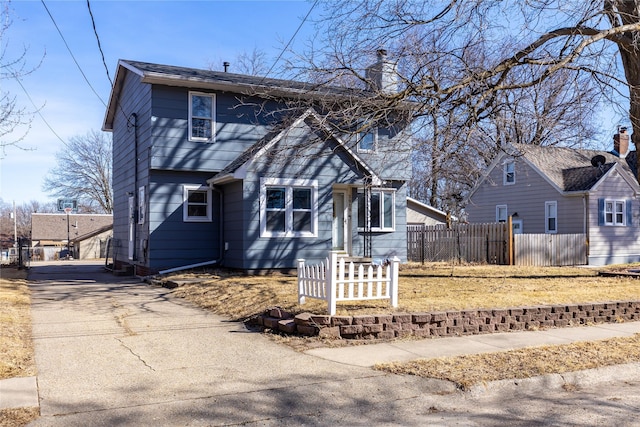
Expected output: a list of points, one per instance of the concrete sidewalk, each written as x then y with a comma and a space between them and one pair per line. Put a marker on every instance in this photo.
114, 351
402, 351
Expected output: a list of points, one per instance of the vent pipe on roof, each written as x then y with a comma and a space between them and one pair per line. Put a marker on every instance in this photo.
225, 64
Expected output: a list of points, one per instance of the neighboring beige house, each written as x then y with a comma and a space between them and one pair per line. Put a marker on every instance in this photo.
559, 190
419, 213
87, 234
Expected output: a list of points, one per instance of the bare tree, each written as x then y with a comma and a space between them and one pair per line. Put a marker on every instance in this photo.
489, 70
253, 63
83, 172
21, 214
15, 121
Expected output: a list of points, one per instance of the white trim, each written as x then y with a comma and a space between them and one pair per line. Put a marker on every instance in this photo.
505, 172
185, 203
498, 217
212, 118
547, 216
382, 192
614, 212
289, 184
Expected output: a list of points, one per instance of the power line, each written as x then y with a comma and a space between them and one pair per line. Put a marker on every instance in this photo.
95, 31
71, 53
38, 111
292, 37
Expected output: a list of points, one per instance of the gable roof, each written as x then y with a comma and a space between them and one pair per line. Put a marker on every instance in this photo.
171, 75
571, 169
54, 226
237, 168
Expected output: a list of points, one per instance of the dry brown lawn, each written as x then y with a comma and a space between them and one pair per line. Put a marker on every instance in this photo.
16, 347
432, 287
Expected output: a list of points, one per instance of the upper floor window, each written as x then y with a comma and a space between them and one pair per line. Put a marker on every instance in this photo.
202, 112
501, 213
379, 209
551, 217
509, 177
196, 203
367, 138
288, 208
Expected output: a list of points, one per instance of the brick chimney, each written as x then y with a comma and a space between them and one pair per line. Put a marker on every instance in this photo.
383, 75
621, 142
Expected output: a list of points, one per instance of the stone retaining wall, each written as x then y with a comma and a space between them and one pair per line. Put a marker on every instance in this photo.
448, 323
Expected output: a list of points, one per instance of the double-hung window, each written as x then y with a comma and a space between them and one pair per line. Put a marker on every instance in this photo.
509, 177
288, 208
202, 113
196, 203
551, 217
614, 212
378, 210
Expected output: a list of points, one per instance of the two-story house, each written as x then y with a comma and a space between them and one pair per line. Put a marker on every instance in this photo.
559, 190
247, 172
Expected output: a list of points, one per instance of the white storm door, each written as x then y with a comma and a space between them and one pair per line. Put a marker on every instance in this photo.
340, 235
131, 227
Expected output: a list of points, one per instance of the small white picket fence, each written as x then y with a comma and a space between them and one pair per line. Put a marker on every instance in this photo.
336, 280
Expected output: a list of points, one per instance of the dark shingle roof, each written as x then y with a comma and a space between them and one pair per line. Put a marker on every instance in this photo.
54, 226
571, 169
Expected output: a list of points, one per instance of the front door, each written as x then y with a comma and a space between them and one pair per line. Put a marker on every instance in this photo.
340, 235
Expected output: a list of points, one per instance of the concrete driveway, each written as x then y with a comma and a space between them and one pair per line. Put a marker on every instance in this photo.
114, 351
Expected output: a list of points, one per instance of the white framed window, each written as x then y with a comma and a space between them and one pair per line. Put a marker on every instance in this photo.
196, 203
509, 176
141, 205
614, 212
551, 217
501, 213
288, 207
202, 113
367, 138
380, 210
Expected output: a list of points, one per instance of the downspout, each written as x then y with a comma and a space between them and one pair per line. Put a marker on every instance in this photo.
135, 185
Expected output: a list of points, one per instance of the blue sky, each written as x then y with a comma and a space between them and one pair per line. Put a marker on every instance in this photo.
184, 33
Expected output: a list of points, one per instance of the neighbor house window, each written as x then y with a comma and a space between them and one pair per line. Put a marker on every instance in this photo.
379, 211
614, 212
197, 203
288, 207
501, 213
551, 217
202, 112
509, 173
367, 138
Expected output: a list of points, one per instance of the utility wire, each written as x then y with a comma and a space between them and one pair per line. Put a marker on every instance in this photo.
38, 111
71, 53
291, 39
95, 31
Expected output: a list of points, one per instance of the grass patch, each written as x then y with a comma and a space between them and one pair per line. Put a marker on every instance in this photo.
16, 347
430, 287
18, 416
469, 370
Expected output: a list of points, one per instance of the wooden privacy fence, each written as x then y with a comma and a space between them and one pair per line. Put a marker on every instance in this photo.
480, 243
492, 243
550, 249
336, 280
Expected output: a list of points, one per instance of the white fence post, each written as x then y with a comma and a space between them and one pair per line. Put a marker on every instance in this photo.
301, 280
331, 283
395, 267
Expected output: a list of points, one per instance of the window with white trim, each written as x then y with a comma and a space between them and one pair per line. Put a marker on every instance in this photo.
196, 203
380, 211
614, 212
202, 113
551, 217
509, 177
288, 207
367, 138
501, 213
